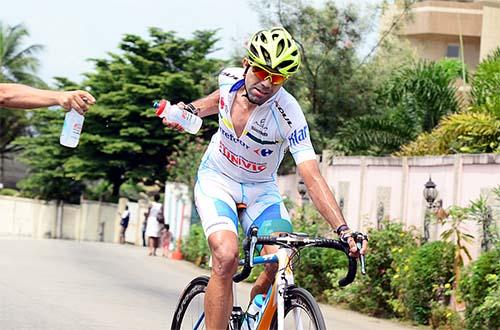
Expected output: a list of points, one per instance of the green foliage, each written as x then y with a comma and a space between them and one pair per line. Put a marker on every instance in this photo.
411, 101
375, 293
9, 192
476, 130
183, 162
480, 289
429, 273
17, 65
195, 246
466, 132
49, 176
444, 318
314, 266
486, 83
122, 139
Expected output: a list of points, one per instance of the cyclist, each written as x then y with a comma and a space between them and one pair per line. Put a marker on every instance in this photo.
20, 96
258, 121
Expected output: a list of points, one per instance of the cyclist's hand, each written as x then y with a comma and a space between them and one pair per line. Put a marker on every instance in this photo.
352, 238
173, 125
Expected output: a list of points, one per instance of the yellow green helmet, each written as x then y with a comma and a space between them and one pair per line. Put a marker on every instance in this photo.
276, 49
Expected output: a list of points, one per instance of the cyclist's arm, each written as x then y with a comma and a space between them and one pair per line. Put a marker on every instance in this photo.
209, 105
322, 196
24, 97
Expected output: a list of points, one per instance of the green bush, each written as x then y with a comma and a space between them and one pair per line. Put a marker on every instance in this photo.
374, 293
479, 287
314, 265
425, 278
195, 247
9, 192
443, 318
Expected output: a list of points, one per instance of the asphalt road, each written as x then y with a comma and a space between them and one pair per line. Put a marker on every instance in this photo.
68, 285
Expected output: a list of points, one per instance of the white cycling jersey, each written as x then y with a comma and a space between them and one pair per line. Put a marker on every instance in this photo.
272, 129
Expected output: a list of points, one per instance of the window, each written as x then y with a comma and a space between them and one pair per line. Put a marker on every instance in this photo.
452, 51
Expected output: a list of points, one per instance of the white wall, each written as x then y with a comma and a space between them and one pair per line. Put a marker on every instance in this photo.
363, 183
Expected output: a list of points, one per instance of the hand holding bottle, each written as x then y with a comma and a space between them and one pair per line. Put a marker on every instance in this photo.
175, 116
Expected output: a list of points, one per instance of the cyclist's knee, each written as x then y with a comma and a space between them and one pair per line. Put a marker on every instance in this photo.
225, 256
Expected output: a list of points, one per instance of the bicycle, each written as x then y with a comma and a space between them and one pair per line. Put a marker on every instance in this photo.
283, 296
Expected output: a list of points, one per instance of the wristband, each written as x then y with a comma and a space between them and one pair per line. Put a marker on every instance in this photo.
342, 228
191, 108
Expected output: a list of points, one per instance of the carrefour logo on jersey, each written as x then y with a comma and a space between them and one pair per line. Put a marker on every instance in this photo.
241, 162
232, 138
263, 152
297, 136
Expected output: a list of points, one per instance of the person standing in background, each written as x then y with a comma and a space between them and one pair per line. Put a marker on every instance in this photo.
125, 217
166, 238
154, 222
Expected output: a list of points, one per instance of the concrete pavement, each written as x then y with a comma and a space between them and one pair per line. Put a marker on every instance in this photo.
56, 284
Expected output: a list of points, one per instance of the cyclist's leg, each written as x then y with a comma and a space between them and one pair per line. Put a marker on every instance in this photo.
266, 210
215, 203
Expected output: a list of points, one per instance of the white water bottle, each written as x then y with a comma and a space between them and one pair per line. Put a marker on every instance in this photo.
72, 128
252, 314
189, 122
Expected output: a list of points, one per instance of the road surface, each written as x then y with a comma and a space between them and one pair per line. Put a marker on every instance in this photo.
69, 285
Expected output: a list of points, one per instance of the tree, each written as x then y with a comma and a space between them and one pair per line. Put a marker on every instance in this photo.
17, 65
475, 130
122, 140
410, 102
328, 86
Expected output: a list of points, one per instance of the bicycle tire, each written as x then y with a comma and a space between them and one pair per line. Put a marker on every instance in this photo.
299, 298
180, 320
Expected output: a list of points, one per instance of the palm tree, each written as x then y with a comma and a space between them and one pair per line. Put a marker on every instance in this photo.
411, 101
17, 65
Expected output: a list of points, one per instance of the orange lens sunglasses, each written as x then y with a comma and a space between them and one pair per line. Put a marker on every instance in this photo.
263, 74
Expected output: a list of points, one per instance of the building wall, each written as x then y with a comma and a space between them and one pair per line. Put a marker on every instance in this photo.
491, 27
367, 185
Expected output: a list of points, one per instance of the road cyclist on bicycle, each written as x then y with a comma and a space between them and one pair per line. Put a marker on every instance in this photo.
258, 122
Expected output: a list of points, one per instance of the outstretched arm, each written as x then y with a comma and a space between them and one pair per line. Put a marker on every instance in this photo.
323, 198
24, 97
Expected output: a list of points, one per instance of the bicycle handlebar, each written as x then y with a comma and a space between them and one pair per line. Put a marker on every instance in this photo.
295, 241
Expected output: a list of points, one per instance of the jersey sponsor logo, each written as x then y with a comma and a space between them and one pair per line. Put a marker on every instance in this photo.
241, 162
261, 132
222, 103
297, 136
230, 75
263, 152
283, 113
260, 141
260, 127
232, 138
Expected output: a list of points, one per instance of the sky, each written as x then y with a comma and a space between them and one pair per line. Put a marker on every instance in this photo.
73, 31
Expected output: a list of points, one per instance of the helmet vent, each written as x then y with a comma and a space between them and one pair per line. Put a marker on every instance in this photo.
253, 50
284, 64
263, 37
281, 46
266, 55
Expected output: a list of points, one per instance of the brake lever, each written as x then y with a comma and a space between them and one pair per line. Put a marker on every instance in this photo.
359, 244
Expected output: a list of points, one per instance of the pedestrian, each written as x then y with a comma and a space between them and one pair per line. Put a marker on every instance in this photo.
125, 217
18, 96
154, 222
166, 238
143, 227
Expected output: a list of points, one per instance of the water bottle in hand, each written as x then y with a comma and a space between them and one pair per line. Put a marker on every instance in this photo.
72, 128
189, 122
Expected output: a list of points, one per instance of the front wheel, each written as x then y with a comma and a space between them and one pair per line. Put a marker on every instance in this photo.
301, 311
190, 311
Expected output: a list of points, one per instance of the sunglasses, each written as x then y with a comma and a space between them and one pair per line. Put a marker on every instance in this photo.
263, 74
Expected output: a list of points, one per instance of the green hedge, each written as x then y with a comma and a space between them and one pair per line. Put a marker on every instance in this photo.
479, 287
